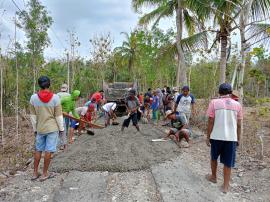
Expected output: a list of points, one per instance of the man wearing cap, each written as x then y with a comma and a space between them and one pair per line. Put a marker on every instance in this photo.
185, 103
175, 93
99, 97
132, 104
223, 133
47, 120
69, 105
63, 91
180, 126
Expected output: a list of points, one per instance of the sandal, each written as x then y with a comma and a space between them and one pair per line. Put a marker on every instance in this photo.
51, 175
34, 178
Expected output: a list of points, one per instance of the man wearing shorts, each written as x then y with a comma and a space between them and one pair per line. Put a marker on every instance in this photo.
132, 104
223, 133
47, 120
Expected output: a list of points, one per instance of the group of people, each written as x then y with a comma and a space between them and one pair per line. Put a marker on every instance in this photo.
49, 124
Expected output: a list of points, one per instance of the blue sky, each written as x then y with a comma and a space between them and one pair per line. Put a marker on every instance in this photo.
86, 17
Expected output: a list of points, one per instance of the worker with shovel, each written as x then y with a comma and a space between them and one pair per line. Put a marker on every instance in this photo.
109, 114
69, 105
132, 104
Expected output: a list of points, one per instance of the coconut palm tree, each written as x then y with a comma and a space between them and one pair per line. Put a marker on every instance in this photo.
128, 49
182, 9
226, 14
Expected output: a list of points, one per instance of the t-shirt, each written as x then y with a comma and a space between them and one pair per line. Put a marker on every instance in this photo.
132, 104
226, 112
155, 102
81, 110
176, 96
184, 103
180, 121
109, 106
63, 94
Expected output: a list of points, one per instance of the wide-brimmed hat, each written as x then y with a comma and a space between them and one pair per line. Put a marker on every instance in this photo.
168, 113
64, 87
236, 93
175, 89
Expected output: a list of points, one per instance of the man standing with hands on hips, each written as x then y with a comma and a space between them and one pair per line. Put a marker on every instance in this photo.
223, 133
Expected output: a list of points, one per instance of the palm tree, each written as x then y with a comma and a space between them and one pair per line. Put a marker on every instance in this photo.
128, 49
225, 14
184, 17
252, 10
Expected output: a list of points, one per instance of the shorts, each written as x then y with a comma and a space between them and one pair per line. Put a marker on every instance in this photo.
74, 124
47, 142
132, 117
226, 150
175, 130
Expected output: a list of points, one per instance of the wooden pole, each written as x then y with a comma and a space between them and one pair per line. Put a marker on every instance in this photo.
17, 80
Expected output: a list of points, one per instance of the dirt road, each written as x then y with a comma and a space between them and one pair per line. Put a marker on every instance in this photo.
115, 166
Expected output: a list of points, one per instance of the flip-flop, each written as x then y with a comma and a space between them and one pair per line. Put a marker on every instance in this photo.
51, 175
33, 178
223, 191
208, 177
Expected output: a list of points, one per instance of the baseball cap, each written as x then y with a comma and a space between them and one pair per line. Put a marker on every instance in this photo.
185, 88
44, 82
64, 87
225, 89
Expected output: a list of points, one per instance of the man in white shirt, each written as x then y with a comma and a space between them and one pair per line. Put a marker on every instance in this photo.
63, 91
223, 133
109, 109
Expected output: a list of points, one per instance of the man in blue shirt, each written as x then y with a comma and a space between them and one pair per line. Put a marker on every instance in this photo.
155, 106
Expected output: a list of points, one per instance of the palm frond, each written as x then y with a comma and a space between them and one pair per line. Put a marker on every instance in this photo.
169, 49
195, 42
189, 21
201, 8
258, 33
138, 4
165, 10
126, 35
260, 9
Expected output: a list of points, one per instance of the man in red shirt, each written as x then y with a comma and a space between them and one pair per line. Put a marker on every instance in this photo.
99, 96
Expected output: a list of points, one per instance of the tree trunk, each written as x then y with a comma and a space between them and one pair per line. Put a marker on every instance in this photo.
68, 72
1, 101
223, 57
181, 75
35, 73
243, 21
17, 82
